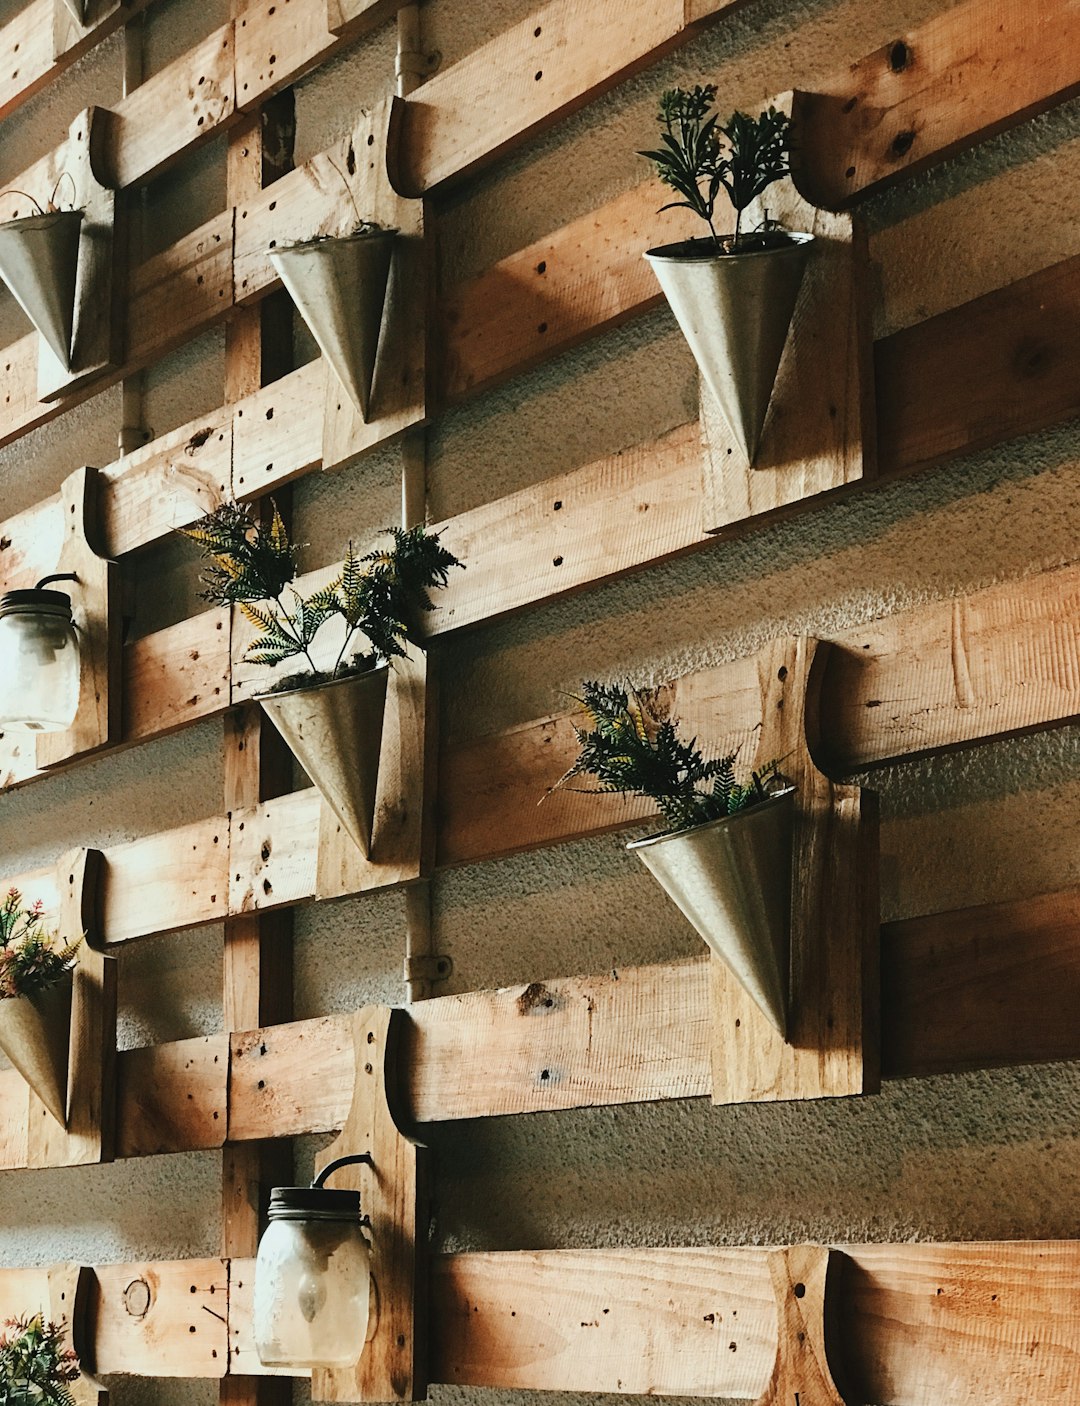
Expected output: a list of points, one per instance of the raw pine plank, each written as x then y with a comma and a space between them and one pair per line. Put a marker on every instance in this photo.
519, 83
1002, 365
577, 1042
165, 882
486, 1053
172, 1097
971, 1325
977, 69
647, 1322
182, 1329
277, 43
179, 292
994, 985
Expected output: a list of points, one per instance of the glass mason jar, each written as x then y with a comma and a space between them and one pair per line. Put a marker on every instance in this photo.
39, 661
312, 1280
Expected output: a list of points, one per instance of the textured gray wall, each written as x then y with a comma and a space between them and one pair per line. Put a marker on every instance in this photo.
979, 1155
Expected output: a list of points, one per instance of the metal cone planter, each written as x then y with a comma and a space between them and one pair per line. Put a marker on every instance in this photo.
35, 1032
77, 8
39, 262
339, 287
732, 879
734, 311
334, 731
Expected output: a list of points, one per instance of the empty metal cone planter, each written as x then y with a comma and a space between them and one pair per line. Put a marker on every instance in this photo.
339, 287
334, 731
735, 311
732, 879
39, 262
35, 1032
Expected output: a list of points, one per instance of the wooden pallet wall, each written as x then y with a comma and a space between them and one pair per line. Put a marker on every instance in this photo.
980, 1323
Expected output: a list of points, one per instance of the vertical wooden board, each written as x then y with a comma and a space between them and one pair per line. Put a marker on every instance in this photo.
243, 1357
642, 1321
172, 1098
96, 610
273, 856
167, 1318
834, 917
819, 432
392, 1365
14, 1120
804, 1282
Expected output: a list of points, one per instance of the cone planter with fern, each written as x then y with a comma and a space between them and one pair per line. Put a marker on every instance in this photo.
334, 730
35, 1034
731, 878
734, 309
39, 262
339, 287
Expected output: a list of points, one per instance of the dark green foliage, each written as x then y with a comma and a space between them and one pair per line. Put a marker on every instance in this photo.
35, 1364
631, 748
378, 596
696, 163
30, 960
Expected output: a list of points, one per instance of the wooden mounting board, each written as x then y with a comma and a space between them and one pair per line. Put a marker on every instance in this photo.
639, 1035
61, 1293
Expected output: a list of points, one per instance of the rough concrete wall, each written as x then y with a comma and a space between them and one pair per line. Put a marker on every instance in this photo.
979, 1155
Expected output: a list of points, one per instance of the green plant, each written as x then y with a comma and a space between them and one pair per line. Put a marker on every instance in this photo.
35, 1364
377, 596
700, 156
633, 746
30, 960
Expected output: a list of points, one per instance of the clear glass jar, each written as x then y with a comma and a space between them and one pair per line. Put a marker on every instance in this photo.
39, 662
312, 1280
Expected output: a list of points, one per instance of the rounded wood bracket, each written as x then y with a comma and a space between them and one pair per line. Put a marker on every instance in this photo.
831, 1048
96, 608
391, 1366
801, 1277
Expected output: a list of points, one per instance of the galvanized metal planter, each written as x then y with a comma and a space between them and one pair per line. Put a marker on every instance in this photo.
78, 9
734, 311
334, 730
39, 262
35, 1034
339, 287
732, 879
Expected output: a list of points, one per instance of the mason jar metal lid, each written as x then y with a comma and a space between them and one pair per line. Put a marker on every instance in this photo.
36, 600
314, 1203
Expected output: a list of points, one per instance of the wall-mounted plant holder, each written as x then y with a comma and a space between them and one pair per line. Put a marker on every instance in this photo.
61, 1293
816, 419
96, 611
64, 1044
397, 375
334, 731
803, 1279
829, 1049
60, 266
73, 20
391, 1365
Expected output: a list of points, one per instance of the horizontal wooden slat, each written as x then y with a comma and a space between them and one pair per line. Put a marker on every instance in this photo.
1001, 661
971, 1325
960, 77
975, 1324
974, 988
518, 83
